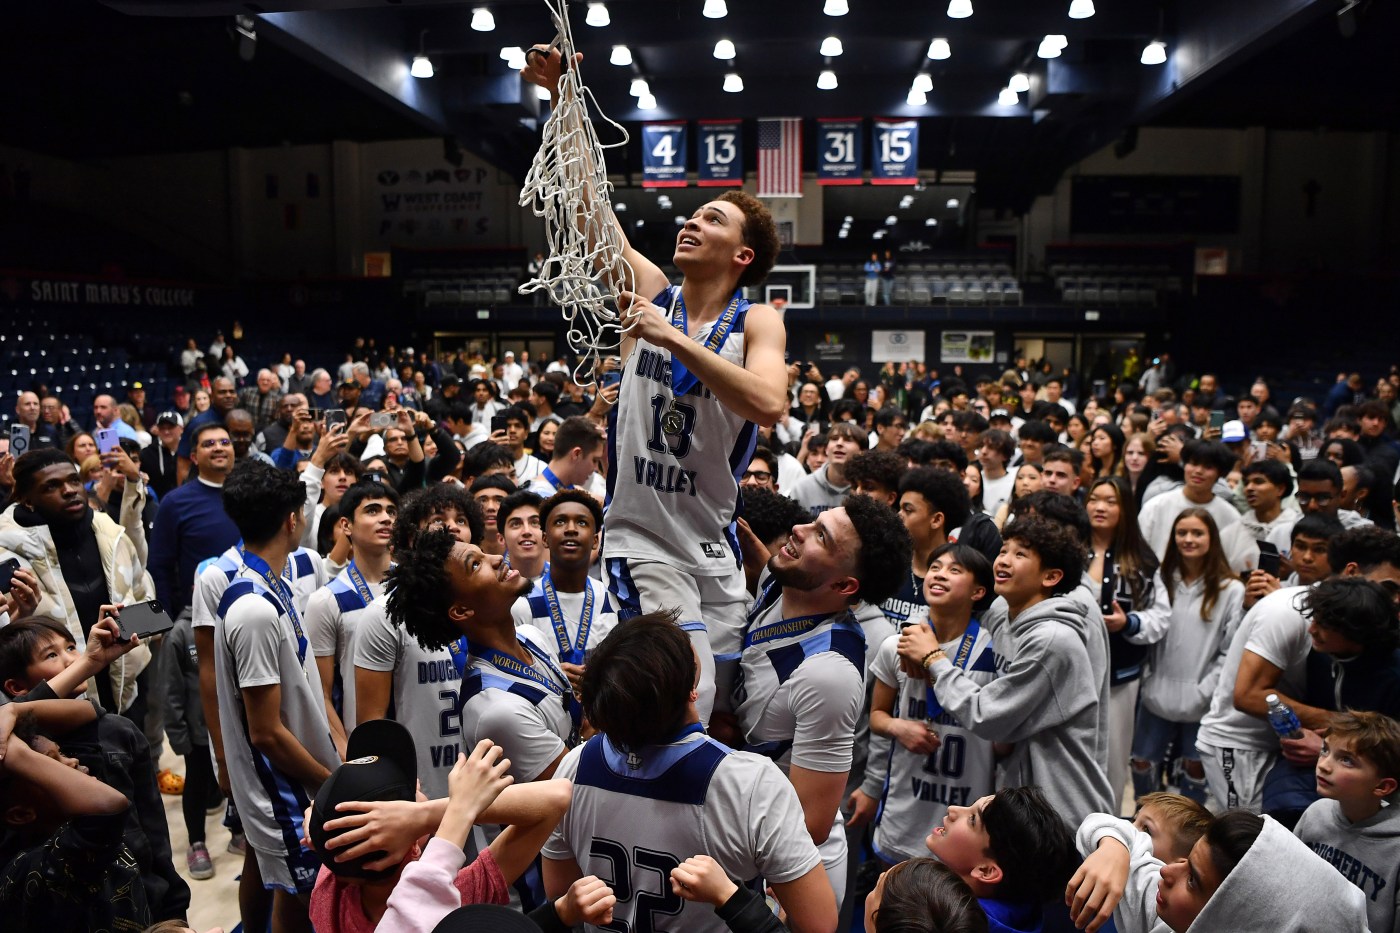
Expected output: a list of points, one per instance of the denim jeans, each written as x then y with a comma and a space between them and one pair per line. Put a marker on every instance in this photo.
1151, 739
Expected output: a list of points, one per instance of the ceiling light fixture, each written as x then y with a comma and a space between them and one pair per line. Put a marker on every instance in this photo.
639, 87
620, 206
959, 9
952, 204
482, 20
831, 47
646, 102
1081, 9
826, 81
733, 83
836, 8
930, 222
1008, 98
1154, 53
621, 55
1052, 46
843, 233
939, 50
597, 15
724, 50
916, 98
680, 220
891, 220
922, 82
514, 57
422, 65
715, 9
1020, 82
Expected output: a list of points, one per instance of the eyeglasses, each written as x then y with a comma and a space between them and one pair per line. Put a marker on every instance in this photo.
216, 442
761, 476
1320, 498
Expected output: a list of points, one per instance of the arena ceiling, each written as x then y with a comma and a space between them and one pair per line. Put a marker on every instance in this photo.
90, 80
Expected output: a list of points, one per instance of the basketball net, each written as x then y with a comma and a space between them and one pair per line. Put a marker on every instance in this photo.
567, 186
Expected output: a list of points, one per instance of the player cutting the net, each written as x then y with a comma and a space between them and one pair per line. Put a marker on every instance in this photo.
702, 367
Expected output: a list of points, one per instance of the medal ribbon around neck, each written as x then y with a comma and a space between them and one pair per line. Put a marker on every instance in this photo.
284, 596
682, 379
571, 653
506, 664
961, 657
789, 628
357, 579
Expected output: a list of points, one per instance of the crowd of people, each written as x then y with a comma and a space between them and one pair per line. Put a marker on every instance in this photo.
714, 644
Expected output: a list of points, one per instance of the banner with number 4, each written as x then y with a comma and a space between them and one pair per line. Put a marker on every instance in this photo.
721, 151
896, 147
663, 155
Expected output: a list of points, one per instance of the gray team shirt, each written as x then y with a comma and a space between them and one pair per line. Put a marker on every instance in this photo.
532, 734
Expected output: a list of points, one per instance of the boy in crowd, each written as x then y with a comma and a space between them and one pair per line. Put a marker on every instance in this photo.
932, 502
576, 444
1174, 822
279, 747
994, 451
1203, 463
827, 487
518, 521
489, 491
1267, 483
1060, 471
1354, 826
527, 465
876, 473
1051, 692
367, 514
393, 671
566, 604
1032, 439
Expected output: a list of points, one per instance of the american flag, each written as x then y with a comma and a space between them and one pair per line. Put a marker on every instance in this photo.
780, 157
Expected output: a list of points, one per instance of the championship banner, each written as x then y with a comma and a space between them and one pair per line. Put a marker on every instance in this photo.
663, 154
895, 147
839, 153
721, 149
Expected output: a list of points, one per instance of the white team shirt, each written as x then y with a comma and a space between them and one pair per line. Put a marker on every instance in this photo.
424, 697
920, 788
305, 572
256, 644
673, 497
533, 610
1159, 514
527, 468
637, 817
332, 615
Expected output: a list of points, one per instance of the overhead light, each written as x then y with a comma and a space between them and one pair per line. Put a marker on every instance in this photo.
843, 233
826, 81
891, 220
715, 9
621, 55
641, 222
422, 67
878, 235
680, 220
848, 219
1020, 82
1081, 9
482, 20
931, 222
906, 202
541, 92
620, 207
733, 83
952, 204
938, 50
922, 82
513, 56
836, 8
831, 47
597, 15
1008, 98
724, 50
1154, 53
639, 87
959, 9
646, 102
916, 98
1052, 46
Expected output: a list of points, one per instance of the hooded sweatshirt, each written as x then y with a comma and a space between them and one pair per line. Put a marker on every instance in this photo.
816, 493
1185, 664
1367, 853
1050, 698
1279, 886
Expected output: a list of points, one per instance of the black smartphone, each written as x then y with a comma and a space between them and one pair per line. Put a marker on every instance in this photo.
499, 423
1268, 558
1217, 419
145, 620
7, 573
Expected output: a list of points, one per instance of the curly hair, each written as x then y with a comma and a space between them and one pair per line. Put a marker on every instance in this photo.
421, 504
882, 563
418, 591
943, 491
1366, 546
760, 234
923, 895
1058, 548
876, 466
771, 515
1356, 608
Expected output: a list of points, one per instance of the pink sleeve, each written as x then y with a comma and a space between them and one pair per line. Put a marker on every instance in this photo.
323, 900
427, 890
481, 882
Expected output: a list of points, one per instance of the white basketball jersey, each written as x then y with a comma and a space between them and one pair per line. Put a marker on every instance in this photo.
675, 462
920, 788
305, 573
634, 817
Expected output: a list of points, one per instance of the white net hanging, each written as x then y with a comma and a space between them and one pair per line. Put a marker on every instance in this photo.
568, 187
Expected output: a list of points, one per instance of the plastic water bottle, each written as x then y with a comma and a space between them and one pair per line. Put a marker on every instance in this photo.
1283, 719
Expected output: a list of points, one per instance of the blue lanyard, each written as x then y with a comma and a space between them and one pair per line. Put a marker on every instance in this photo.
682, 379
357, 579
459, 650
506, 664
284, 596
788, 628
573, 654
961, 658
552, 480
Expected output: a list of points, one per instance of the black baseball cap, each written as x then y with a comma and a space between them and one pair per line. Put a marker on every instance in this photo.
450, 381
486, 918
381, 764
170, 417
